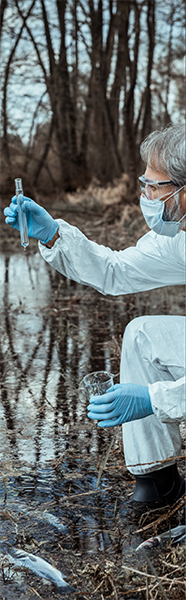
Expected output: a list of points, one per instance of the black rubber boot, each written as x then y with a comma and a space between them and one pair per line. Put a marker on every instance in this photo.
165, 486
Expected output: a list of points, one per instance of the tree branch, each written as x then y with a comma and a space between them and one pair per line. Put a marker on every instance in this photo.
2, 11
51, 55
5, 86
33, 40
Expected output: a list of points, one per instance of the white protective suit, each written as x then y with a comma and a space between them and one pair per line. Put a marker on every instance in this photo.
153, 351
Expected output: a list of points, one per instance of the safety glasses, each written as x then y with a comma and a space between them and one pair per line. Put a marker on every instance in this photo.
153, 188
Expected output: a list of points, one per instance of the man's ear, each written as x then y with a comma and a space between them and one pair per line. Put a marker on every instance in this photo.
183, 198
184, 192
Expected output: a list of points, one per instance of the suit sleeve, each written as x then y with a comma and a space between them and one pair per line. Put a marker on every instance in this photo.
168, 400
155, 261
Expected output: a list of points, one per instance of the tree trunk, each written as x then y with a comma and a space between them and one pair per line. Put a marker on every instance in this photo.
129, 141
147, 116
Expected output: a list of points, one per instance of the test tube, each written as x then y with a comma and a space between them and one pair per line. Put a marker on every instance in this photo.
21, 215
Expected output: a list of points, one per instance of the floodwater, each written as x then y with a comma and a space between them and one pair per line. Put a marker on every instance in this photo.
53, 332
48, 343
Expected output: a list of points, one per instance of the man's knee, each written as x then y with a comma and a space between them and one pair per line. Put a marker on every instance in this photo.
136, 354
133, 331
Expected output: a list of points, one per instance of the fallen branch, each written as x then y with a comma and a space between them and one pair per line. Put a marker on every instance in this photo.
74, 496
163, 517
164, 578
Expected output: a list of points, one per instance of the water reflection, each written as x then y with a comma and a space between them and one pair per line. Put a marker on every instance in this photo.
51, 335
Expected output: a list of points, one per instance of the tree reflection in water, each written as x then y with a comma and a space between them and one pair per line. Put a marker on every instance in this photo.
53, 332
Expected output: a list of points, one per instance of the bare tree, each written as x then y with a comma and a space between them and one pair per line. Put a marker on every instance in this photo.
3, 6
106, 73
5, 145
167, 66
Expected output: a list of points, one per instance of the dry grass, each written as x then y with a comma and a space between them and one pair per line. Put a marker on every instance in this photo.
117, 572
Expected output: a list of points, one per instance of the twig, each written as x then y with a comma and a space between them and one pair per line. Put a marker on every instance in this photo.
147, 586
5, 488
133, 591
164, 517
104, 461
98, 587
7, 515
164, 578
72, 496
35, 592
113, 586
146, 557
176, 567
127, 568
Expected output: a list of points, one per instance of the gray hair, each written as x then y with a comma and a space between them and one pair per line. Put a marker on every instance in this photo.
165, 151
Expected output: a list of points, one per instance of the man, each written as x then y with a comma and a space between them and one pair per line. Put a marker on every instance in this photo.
149, 402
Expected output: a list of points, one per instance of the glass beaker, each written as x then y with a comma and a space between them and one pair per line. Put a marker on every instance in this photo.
97, 382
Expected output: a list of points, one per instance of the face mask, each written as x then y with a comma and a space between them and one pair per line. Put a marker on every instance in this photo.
153, 214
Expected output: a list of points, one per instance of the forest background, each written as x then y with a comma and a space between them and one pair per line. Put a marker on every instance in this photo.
82, 83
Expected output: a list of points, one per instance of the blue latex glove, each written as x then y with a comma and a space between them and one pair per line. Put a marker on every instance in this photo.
121, 403
40, 224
